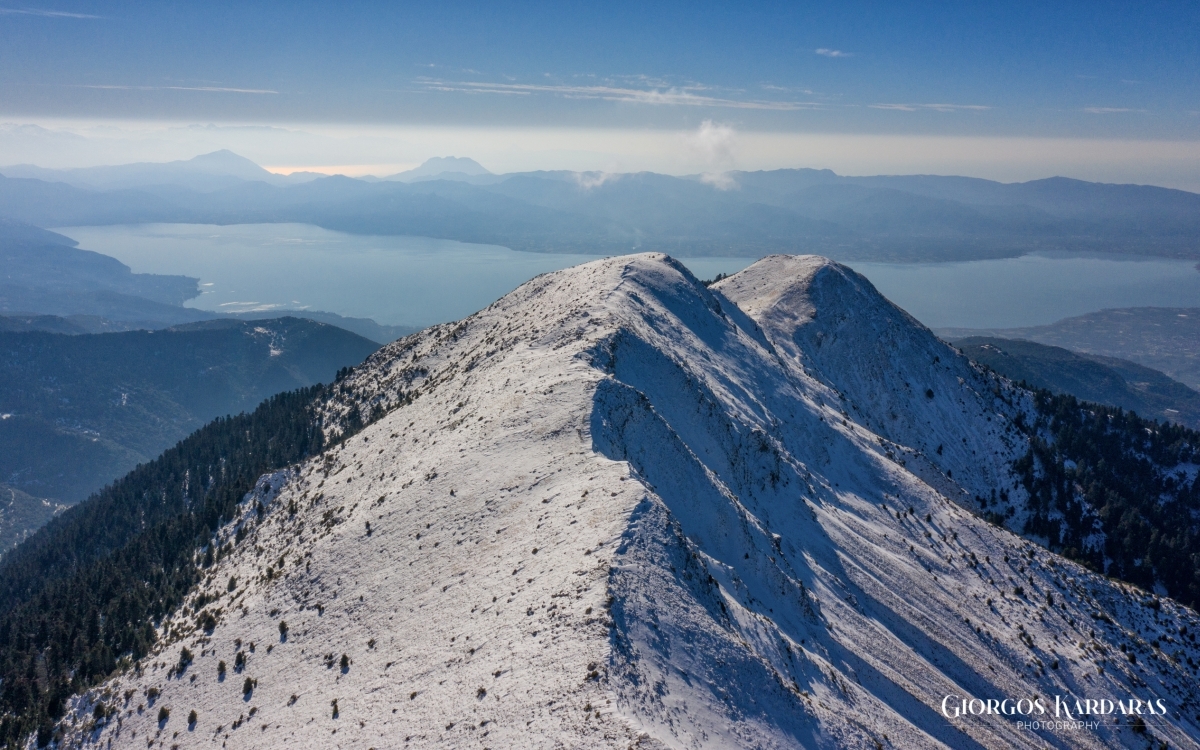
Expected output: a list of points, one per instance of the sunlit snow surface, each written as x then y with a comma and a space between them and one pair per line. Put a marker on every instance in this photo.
619, 509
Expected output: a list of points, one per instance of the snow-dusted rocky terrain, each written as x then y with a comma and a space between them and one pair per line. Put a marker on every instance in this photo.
619, 509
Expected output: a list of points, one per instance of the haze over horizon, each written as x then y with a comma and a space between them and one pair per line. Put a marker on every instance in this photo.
1020, 93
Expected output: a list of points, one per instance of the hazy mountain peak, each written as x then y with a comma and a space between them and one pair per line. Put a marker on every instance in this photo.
206, 172
439, 164
442, 165
226, 162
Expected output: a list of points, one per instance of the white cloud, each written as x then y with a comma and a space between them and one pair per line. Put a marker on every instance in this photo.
589, 180
773, 87
685, 96
715, 143
934, 107
719, 180
826, 52
1109, 110
44, 13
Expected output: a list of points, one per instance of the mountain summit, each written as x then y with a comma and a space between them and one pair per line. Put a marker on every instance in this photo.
223, 162
619, 509
442, 167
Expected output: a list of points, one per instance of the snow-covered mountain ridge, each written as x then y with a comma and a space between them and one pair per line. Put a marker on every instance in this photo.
619, 509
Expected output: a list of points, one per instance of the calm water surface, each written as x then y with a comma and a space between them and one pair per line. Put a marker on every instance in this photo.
419, 281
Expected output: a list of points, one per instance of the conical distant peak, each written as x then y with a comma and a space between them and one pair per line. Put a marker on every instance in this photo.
225, 162
441, 164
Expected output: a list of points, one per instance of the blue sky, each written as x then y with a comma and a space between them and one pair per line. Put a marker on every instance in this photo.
1097, 70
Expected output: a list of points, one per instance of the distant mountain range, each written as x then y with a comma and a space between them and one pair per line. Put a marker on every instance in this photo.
900, 218
205, 173
1102, 380
1166, 339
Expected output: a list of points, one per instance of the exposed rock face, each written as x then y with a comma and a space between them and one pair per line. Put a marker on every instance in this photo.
619, 509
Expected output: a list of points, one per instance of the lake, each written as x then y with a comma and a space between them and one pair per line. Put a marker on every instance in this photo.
419, 281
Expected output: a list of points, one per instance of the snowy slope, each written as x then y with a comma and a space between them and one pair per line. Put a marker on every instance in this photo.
887, 370
618, 509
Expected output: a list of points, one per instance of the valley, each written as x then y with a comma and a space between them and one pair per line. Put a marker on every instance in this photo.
82, 410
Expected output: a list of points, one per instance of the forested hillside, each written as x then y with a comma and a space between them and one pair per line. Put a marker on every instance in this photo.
21, 514
1114, 491
87, 590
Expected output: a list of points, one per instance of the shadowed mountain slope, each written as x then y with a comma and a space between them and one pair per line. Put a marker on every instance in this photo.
21, 514
1166, 339
1102, 380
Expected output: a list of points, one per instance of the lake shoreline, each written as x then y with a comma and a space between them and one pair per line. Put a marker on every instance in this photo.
417, 281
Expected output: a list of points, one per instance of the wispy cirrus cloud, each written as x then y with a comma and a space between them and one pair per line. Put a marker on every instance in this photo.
44, 13
826, 52
213, 89
933, 107
785, 89
1109, 110
691, 95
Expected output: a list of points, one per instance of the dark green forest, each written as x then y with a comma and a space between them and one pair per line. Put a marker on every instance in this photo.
1097, 468
87, 589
